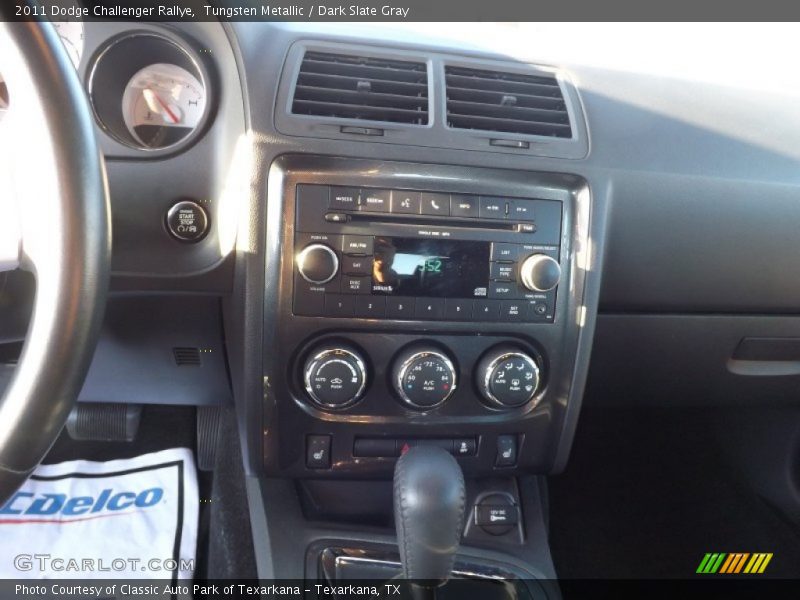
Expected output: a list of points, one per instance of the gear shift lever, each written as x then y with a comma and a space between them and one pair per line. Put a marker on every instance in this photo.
429, 515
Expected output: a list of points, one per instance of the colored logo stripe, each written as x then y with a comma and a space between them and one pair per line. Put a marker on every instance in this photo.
721, 562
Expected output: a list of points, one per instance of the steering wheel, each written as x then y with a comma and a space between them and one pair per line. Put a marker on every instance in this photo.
55, 222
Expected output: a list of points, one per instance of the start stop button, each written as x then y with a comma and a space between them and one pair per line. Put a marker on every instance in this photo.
187, 221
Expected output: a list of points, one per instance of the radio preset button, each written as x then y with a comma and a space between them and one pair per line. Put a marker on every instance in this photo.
464, 206
457, 310
429, 308
405, 202
371, 307
503, 252
375, 200
400, 307
344, 198
339, 305
486, 310
435, 204
357, 244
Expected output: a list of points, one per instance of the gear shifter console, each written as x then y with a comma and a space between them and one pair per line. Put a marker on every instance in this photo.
429, 500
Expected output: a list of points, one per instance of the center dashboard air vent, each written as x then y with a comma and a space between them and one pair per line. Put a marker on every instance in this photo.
506, 102
345, 86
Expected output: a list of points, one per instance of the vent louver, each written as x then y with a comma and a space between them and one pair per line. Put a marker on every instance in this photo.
186, 357
355, 87
506, 102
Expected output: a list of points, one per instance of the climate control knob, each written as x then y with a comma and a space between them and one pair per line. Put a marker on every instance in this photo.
334, 377
423, 377
540, 273
317, 263
508, 377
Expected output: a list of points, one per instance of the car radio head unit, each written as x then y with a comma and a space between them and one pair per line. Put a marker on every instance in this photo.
410, 255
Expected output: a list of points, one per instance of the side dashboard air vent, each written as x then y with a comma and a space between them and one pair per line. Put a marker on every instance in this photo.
355, 87
506, 102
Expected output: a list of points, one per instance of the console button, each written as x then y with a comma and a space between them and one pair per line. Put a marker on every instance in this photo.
465, 447
503, 271
520, 210
318, 452
500, 289
457, 310
357, 265
357, 244
400, 307
339, 305
503, 252
464, 206
486, 310
356, 285
506, 451
405, 202
429, 308
375, 200
373, 307
512, 310
435, 204
526, 227
492, 208
343, 198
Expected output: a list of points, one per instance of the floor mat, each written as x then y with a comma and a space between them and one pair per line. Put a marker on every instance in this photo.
130, 518
645, 495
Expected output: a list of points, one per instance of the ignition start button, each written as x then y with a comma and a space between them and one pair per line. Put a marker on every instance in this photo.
187, 221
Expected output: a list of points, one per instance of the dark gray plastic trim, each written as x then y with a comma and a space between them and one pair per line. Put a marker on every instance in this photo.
436, 133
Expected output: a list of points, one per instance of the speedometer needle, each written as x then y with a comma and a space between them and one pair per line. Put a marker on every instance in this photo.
152, 95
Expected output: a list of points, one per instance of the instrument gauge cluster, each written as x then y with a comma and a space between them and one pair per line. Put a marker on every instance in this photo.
150, 92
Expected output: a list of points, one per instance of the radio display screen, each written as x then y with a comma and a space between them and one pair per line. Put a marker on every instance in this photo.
428, 267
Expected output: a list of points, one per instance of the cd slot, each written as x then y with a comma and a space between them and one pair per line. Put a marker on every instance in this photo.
450, 222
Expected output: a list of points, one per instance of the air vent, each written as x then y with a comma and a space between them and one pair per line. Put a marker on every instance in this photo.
186, 357
363, 88
506, 102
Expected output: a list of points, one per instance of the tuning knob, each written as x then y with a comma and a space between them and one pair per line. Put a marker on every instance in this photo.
317, 263
335, 377
508, 377
423, 377
540, 273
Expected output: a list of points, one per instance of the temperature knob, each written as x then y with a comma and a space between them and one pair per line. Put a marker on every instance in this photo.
424, 377
317, 263
540, 273
508, 377
335, 377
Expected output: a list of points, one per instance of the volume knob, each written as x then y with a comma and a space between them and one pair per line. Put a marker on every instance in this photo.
317, 263
540, 273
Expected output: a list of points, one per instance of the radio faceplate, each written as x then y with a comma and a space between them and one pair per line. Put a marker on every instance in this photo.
403, 255
331, 383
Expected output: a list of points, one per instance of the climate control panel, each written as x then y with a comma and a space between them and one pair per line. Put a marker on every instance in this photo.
422, 376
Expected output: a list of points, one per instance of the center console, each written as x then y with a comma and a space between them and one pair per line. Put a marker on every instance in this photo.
416, 304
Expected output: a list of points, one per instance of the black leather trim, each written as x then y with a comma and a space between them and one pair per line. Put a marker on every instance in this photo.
72, 275
429, 499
